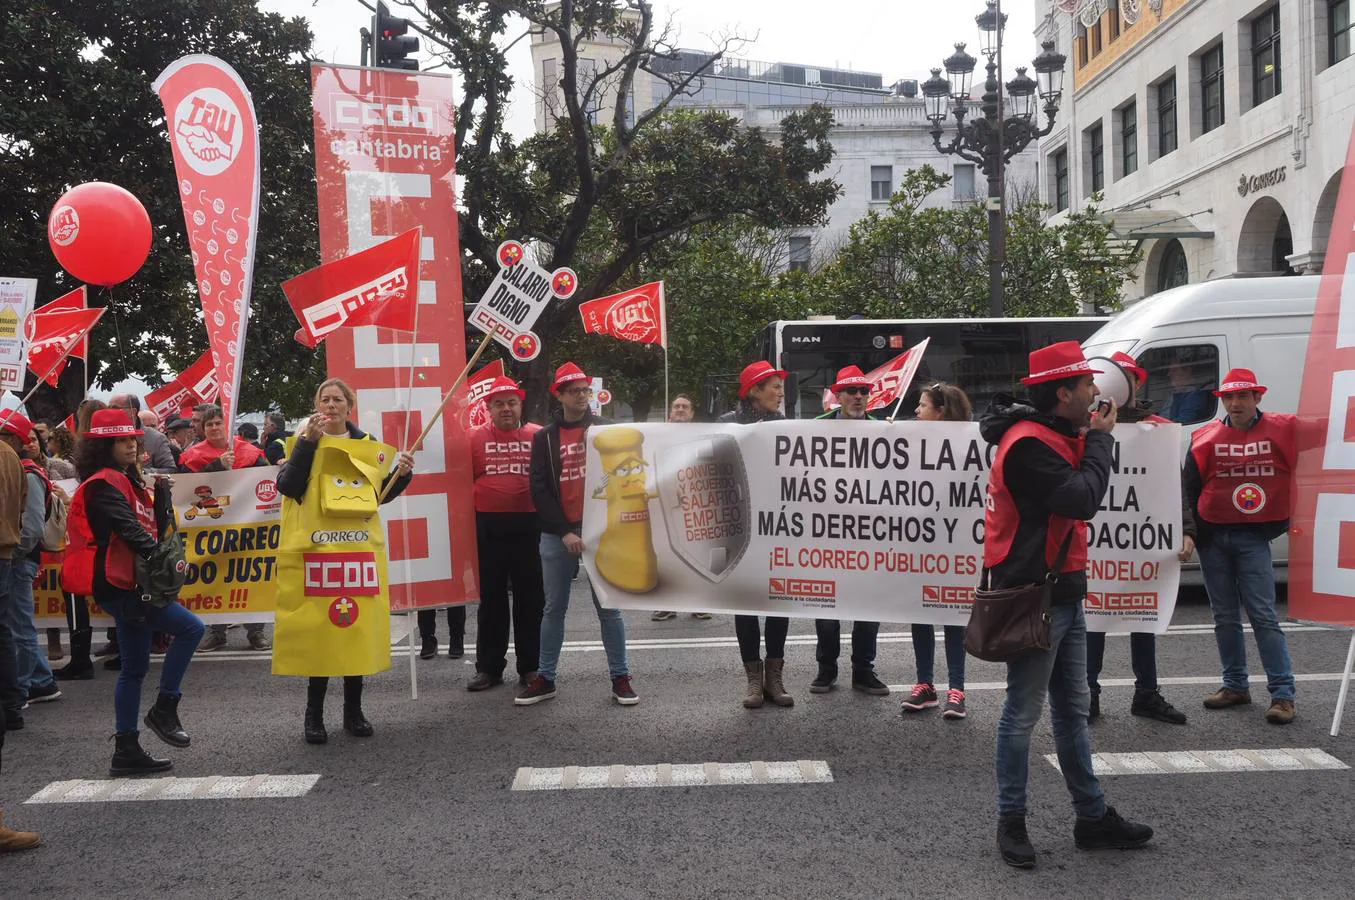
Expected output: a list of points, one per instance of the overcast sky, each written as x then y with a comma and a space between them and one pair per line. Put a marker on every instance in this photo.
900, 39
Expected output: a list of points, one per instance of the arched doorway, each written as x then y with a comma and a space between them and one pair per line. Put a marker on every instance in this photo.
1265, 239
1172, 268
1326, 208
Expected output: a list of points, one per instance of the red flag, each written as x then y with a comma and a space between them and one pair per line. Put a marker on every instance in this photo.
470, 412
54, 336
214, 136
76, 299
376, 286
70, 424
196, 384
890, 381
635, 315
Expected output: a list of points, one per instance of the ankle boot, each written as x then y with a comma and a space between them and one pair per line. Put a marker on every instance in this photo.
163, 719
81, 667
130, 759
354, 722
315, 726
753, 698
772, 685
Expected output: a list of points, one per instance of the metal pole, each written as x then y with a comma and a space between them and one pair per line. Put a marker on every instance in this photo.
997, 236
366, 43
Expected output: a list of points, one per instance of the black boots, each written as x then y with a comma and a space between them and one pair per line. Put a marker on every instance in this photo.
1110, 832
130, 759
1013, 842
163, 719
315, 726
354, 722
81, 667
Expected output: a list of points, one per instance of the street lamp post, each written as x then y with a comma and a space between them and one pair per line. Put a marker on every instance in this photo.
991, 139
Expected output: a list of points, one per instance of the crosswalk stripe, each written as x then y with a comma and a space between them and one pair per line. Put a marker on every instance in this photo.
710, 774
1179, 762
210, 787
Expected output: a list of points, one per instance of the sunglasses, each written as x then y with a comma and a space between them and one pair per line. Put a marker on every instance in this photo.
857, 391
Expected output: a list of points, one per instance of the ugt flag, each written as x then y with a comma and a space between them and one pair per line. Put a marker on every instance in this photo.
376, 286
54, 336
635, 315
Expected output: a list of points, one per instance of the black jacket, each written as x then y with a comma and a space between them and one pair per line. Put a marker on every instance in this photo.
296, 472
546, 475
109, 514
1043, 484
1192, 485
276, 447
748, 414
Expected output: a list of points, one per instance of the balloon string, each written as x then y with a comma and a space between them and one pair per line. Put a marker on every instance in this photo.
117, 328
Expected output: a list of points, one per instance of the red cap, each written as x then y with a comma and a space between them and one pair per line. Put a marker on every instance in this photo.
1130, 364
504, 385
1239, 380
1057, 362
852, 376
566, 374
18, 425
754, 375
111, 423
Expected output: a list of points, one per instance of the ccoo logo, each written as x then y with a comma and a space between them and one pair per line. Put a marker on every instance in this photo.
1249, 498
208, 131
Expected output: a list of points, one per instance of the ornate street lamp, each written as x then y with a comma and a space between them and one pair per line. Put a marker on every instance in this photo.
991, 139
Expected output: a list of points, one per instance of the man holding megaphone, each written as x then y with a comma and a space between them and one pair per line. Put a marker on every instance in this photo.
1119, 383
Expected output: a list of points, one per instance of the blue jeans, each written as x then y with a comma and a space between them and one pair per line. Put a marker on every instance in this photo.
1238, 575
134, 645
11, 695
558, 568
32, 667
1062, 673
1142, 659
924, 649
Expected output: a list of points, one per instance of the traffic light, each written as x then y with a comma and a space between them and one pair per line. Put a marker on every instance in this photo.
391, 46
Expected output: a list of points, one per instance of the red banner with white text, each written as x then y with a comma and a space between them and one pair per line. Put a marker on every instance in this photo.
385, 163
1322, 537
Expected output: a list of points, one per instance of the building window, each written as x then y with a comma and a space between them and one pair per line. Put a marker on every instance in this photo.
1096, 149
1211, 89
1095, 33
799, 254
1265, 56
1338, 30
1172, 271
1060, 167
1114, 21
963, 179
1080, 43
881, 182
1129, 139
1166, 116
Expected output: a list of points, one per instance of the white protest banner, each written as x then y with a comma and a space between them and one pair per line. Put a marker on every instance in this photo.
872, 521
16, 302
516, 298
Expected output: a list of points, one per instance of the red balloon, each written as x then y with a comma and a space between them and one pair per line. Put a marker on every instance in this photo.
99, 233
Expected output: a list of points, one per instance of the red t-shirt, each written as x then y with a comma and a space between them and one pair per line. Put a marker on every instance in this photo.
502, 461
573, 456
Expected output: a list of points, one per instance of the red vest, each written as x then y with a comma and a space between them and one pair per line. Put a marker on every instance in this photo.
1001, 519
77, 570
202, 454
1247, 475
501, 463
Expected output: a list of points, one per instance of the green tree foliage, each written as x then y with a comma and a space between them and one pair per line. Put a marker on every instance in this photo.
76, 105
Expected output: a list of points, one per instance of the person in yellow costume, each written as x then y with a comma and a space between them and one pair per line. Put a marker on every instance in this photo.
625, 556
333, 605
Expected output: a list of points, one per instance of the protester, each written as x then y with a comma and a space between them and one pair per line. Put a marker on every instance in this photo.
34, 673
1148, 700
156, 444
61, 443
940, 402
180, 434
761, 390
1237, 481
113, 521
58, 469
199, 428
456, 632
216, 454
852, 389
508, 535
681, 410
334, 403
559, 455
148, 419
13, 496
77, 607
1049, 476
275, 435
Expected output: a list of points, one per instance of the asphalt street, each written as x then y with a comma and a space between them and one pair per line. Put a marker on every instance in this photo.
425, 808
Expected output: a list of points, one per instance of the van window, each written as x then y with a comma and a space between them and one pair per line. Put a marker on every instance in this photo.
1181, 381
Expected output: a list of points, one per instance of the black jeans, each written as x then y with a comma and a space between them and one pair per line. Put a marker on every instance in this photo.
456, 623
12, 697
77, 612
510, 553
746, 627
864, 636
316, 688
1142, 658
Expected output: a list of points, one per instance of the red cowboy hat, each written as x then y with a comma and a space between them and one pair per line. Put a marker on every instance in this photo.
1239, 380
1057, 362
504, 385
754, 375
565, 375
1130, 365
18, 425
852, 376
111, 423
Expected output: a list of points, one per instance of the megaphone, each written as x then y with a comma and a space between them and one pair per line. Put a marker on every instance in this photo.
1115, 384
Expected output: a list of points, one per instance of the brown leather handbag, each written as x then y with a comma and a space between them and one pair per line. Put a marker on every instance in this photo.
1007, 624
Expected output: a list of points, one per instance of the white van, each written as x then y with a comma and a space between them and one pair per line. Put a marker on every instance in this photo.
1187, 338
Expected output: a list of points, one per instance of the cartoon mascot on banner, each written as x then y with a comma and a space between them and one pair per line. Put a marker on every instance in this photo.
333, 606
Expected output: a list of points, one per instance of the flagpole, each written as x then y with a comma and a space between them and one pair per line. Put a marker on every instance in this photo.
412, 617
897, 404
413, 363
9, 413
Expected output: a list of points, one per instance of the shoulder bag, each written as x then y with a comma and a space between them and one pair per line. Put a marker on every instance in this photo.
1007, 624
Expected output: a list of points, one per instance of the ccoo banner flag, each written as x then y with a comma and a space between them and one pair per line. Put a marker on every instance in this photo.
375, 286
215, 139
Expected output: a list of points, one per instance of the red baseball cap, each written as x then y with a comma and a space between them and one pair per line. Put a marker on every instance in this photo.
1239, 380
18, 425
755, 374
1057, 362
111, 423
567, 374
852, 376
1130, 364
504, 385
